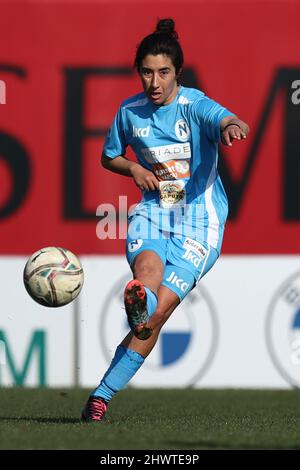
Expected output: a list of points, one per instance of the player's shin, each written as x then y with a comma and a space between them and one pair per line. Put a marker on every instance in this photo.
123, 367
151, 301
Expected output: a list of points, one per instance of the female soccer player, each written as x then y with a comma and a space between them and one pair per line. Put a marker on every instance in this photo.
175, 233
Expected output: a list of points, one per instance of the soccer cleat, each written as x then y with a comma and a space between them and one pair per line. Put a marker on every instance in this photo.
94, 410
135, 300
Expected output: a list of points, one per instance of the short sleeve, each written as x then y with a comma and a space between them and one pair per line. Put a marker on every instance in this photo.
115, 143
209, 114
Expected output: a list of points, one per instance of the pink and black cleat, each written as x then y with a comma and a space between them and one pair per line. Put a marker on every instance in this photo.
135, 300
94, 410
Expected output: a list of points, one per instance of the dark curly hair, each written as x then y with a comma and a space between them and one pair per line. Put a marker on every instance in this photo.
164, 40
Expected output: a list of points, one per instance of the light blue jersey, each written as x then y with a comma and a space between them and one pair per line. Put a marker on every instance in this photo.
179, 143
184, 221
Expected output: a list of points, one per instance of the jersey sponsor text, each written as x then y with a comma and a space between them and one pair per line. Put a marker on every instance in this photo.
164, 153
192, 245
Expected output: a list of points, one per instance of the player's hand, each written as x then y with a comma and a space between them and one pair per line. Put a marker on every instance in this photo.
144, 179
232, 133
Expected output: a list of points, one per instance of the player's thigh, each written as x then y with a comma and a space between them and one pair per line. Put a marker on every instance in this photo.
148, 263
187, 262
142, 236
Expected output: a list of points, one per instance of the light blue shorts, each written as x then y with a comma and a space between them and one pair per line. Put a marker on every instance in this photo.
186, 260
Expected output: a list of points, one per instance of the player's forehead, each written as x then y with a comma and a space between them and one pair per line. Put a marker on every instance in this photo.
157, 62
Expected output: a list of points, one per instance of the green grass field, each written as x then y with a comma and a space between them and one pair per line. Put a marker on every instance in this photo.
152, 419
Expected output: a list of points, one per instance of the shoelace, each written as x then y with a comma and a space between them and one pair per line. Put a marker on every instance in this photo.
96, 409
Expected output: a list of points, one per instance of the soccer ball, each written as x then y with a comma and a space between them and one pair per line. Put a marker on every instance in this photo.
53, 276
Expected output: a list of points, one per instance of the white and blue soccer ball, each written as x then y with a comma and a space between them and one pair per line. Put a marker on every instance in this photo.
53, 276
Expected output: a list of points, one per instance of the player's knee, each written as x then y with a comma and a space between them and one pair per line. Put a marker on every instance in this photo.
145, 267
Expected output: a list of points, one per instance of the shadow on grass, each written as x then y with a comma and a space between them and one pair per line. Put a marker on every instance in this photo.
44, 420
221, 446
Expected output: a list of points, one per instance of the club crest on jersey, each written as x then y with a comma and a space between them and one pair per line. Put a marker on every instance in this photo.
182, 130
141, 131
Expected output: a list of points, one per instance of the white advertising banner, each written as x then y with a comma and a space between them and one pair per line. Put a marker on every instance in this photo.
36, 342
240, 327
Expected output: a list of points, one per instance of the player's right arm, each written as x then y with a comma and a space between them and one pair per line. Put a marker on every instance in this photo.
143, 178
113, 155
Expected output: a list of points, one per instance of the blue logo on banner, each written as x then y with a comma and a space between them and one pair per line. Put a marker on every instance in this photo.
283, 329
173, 346
172, 362
296, 322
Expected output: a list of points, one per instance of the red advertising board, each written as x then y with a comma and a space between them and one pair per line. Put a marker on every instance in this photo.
66, 67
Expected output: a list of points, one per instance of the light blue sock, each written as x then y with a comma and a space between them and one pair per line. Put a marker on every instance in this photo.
123, 367
151, 301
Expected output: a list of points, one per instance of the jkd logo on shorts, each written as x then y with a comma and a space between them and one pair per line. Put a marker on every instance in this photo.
191, 245
173, 279
141, 131
173, 362
189, 256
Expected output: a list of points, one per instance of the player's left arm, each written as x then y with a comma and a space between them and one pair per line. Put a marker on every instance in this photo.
232, 128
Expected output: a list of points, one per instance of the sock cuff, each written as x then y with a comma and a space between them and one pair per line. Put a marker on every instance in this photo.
151, 301
134, 356
151, 293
